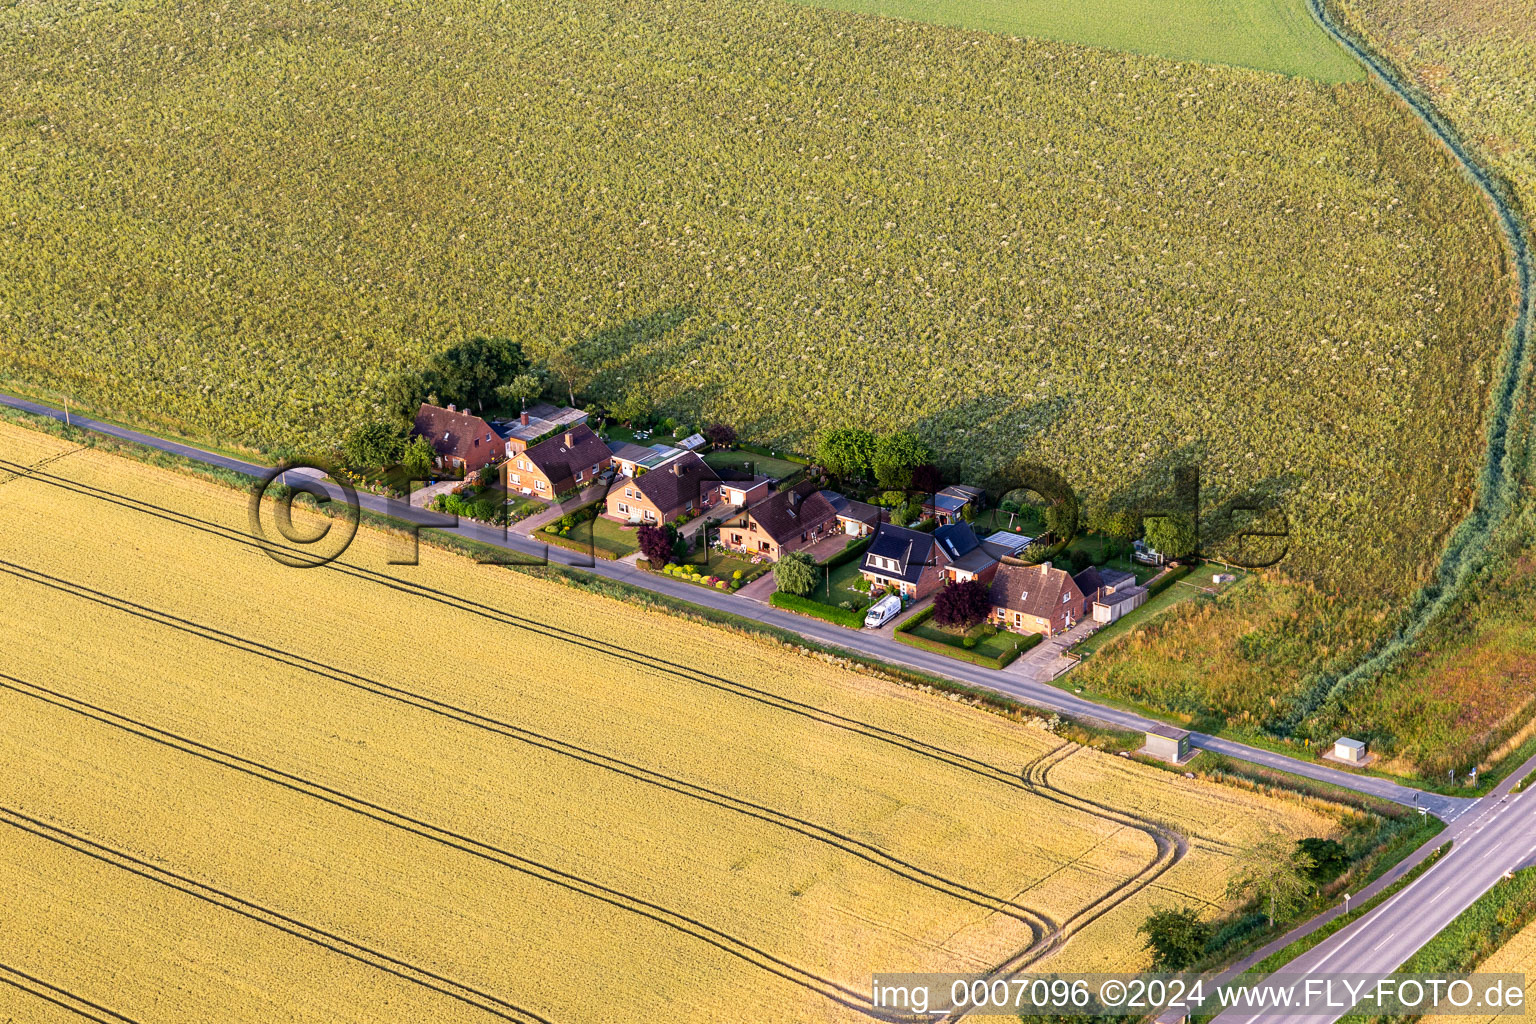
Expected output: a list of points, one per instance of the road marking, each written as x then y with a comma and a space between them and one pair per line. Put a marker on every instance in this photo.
1437, 895
1383, 942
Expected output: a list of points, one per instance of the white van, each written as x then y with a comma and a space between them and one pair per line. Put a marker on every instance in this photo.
882, 611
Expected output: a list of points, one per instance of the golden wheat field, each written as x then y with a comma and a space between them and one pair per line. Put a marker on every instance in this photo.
1517, 956
237, 791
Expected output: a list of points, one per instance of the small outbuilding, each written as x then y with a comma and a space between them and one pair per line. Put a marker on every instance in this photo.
1346, 749
1168, 743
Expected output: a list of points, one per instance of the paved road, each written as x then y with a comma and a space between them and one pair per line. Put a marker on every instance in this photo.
1031, 692
1497, 835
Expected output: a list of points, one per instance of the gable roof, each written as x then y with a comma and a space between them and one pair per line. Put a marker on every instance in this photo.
676, 483
561, 456
912, 550
628, 451
455, 433
858, 511
1033, 589
784, 514
958, 539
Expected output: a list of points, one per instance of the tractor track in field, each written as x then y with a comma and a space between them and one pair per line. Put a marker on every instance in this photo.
1038, 923
1169, 851
273, 919
569, 881
78, 1005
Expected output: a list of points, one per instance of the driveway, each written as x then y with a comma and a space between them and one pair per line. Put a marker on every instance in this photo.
421, 498
760, 589
533, 522
1047, 659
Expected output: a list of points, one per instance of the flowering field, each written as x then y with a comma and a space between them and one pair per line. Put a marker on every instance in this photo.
254, 791
242, 220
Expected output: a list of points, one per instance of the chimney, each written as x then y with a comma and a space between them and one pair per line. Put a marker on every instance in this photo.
452, 408
570, 439
524, 417
677, 467
794, 499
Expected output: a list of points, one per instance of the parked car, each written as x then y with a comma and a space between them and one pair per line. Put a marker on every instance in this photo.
882, 611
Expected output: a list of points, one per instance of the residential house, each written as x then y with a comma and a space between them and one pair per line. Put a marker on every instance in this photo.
909, 562
949, 504
967, 557
1109, 593
784, 521
536, 422
462, 440
749, 490
564, 462
856, 518
1035, 599
683, 486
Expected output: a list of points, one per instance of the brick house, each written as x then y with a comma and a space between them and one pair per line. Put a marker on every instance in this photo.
563, 462
1035, 599
967, 557
857, 518
537, 421
461, 440
681, 486
909, 562
782, 522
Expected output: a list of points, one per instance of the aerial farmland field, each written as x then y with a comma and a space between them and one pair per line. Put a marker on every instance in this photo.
237, 791
244, 223
1271, 35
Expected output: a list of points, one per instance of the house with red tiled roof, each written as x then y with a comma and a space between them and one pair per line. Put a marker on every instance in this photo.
784, 521
1035, 599
561, 463
682, 486
462, 440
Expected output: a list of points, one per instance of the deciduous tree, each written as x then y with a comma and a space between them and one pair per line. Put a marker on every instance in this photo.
895, 457
657, 543
795, 573
962, 605
1176, 938
1172, 536
846, 451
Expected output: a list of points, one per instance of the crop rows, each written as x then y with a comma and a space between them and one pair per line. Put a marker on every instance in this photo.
786, 218
847, 790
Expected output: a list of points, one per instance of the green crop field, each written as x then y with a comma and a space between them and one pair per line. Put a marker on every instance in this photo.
241, 220
1272, 35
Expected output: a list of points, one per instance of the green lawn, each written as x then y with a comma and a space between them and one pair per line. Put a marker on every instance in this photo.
1270, 35
998, 644
725, 564
603, 535
838, 586
764, 464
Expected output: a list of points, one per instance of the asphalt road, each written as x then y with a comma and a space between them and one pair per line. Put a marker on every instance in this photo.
1035, 694
1497, 835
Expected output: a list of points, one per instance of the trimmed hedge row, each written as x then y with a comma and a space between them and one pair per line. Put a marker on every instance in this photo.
848, 554
905, 636
1167, 580
585, 548
815, 609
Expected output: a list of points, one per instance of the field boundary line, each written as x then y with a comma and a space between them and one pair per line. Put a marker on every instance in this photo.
60, 997
265, 915
681, 923
1039, 923
1498, 486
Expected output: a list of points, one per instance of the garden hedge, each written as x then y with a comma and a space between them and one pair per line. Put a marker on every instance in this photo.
815, 609
905, 636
